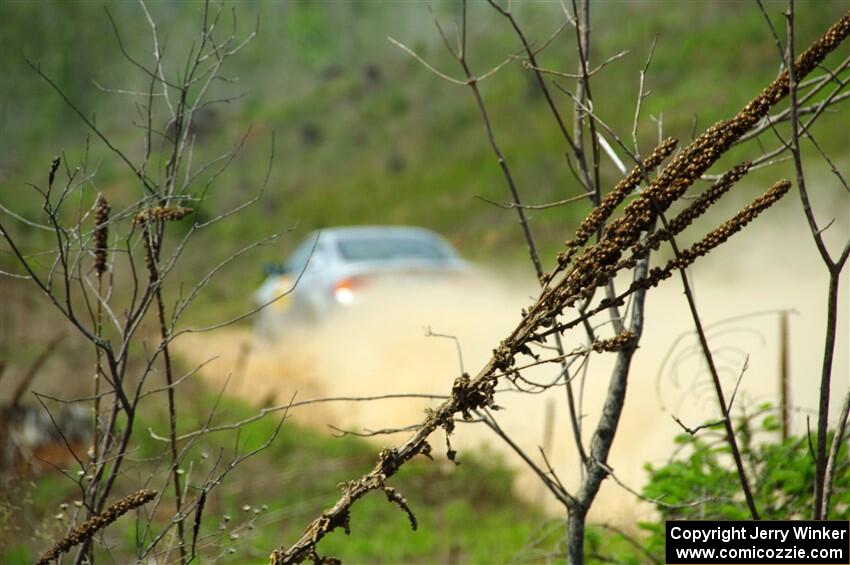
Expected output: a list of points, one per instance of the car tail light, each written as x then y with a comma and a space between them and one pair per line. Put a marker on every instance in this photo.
345, 288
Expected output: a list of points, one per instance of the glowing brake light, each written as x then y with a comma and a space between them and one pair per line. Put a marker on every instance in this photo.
344, 289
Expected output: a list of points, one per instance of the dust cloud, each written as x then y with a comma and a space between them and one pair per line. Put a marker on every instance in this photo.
380, 347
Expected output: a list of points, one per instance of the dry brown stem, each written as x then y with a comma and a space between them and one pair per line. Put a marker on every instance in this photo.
90, 527
593, 268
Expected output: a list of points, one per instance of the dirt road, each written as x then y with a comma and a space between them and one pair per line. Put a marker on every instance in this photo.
380, 350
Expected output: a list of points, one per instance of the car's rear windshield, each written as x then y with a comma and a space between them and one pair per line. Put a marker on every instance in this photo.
388, 248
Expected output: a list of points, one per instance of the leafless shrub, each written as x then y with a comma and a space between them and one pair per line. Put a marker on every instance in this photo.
622, 246
92, 277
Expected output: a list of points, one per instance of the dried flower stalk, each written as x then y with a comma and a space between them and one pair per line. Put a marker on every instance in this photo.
101, 234
733, 225
163, 213
593, 268
603, 211
684, 219
90, 527
615, 343
717, 236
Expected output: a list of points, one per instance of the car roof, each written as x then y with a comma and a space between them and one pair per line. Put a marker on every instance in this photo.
343, 232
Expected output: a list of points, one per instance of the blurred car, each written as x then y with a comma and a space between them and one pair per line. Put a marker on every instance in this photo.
337, 267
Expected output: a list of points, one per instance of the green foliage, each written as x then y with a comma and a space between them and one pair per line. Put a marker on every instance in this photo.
307, 30
365, 134
467, 511
781, 475
18, 555
607, 545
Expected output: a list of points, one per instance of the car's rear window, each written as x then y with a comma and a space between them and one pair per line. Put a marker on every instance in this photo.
385, 248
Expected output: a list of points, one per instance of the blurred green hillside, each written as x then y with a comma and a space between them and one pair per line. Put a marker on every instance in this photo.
366, 134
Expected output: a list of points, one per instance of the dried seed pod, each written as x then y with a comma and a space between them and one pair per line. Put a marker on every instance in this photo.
51, 175
717, 236
101, 234
707, 198
87, 529
678, 224
603, 211
730, 227
163, 213
615, 343
680, 173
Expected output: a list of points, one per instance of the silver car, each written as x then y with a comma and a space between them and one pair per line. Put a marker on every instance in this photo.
336, 267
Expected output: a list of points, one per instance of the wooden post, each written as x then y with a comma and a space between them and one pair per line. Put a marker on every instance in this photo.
784, 384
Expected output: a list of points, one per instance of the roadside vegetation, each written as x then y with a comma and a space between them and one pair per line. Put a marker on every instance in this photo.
467, 512
363, 135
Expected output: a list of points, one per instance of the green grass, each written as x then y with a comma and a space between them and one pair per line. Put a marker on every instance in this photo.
405, 147
468, 510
